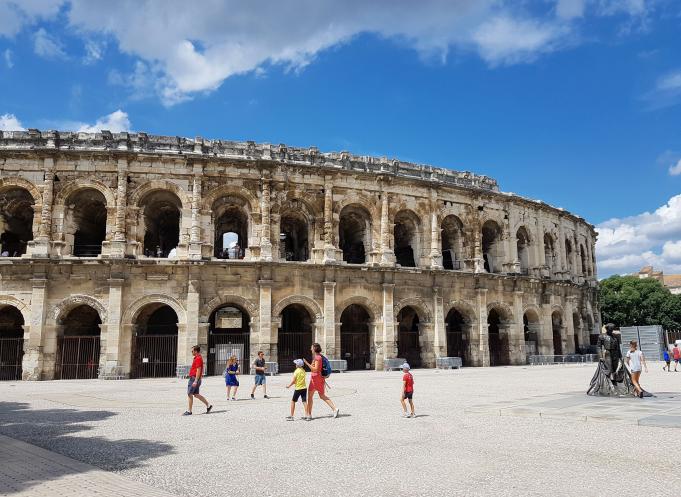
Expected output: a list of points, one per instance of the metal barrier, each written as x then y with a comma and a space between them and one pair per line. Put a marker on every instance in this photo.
182, 371
339, 365
11, 354
448, 363
272, 368
396, 363
114, 373
541, 360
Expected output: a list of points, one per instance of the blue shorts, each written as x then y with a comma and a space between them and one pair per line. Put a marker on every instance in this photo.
260, 379
191, 389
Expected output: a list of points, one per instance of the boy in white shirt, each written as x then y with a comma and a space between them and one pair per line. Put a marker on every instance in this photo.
634, 359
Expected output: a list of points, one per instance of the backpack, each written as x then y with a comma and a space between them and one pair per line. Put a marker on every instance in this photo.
326, 367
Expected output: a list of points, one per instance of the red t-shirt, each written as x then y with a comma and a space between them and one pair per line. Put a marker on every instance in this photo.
676, 353
196, 364
409, 382
318, 359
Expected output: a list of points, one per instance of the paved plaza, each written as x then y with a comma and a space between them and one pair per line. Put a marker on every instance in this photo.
502, 431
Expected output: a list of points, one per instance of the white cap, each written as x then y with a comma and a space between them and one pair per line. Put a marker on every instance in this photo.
405, 366
299, 363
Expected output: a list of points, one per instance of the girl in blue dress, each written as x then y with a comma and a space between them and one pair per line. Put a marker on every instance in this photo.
231, 377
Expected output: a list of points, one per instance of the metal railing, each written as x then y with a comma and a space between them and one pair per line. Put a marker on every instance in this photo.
11, 354
541, 360
448, 362
396, 363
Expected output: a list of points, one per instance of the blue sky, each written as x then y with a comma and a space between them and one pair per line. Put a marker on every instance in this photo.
574, 102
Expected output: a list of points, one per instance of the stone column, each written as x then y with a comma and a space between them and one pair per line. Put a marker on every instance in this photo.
518, 354
569, 327
478, 262
562, 252
435, 246
426, 341
195, 232
546, 336
511, 263
387, 254
480, 344
330, 251
32, 362
540, 256
386, 347
266, 229
190, 337
329, 333
112, 333
439, 326
267, 340
40, 247
117, 245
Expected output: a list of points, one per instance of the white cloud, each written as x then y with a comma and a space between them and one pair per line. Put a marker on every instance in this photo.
93, 51
7, 55
652, 238
675, 169
47, 46
669, 82
115, 122
569, 9
16, 14
667, 91
9, 122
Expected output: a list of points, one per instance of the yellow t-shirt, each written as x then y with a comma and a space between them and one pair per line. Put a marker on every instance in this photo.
299, 377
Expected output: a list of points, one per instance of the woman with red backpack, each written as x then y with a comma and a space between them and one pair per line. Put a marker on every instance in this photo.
320, 369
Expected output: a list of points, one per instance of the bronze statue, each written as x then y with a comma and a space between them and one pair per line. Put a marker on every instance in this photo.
612, 378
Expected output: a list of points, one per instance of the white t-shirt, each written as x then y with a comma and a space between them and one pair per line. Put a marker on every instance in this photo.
635, 360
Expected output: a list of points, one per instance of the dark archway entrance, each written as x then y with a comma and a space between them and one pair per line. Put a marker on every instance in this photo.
498, 339
355, 337
162, 221
86, 222
408, 345
154, 353
229, 334
11, 343
231, 232
531, 328
78, 347
557, 326
16, 221
457, 335
354, 233
295, 336
293, 238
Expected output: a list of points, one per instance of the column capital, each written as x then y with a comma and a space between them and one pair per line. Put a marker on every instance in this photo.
265, 283
329, 284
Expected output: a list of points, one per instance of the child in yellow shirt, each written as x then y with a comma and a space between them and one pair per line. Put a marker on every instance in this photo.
300, 391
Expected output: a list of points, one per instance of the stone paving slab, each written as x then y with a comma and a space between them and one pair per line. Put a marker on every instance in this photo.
27, 470
663, 410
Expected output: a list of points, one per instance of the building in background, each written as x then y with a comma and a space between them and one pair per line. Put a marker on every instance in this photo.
671, 281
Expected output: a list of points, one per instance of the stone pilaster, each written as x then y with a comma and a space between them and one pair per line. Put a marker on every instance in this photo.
195, 233
329, 333
480, 343
113, 342
516, 343
435, 244
266, 229
40, 247
569, 327
190, 337
386, 343
32, 363
387, 254
546, 336
267, 335
117, 246
439, 327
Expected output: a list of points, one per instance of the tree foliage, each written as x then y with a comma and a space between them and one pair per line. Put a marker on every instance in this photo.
633, 301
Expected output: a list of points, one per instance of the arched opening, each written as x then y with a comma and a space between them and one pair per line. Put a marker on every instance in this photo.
550, 253
582, 260
453, 243
161, 210
295, 336
531, 329
294, 244
492, 247
78, 345
16, 221
498, 328
406, 233
568, 256
85, 222
231, 228
354, 233
557, 327
458, 331
408, 344
523, 245
577, 332
229, 333
11, 343
154, 353
355, 337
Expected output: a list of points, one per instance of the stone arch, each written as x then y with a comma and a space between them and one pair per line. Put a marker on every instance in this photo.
133, 310
308, 303
222, 300
558, 308
464, 308
417, 304
505, 311
69, 303
373, 310
407, 239
533, 309
17, 182
233, 190
159, 184
370, 204
83, 184
8, 300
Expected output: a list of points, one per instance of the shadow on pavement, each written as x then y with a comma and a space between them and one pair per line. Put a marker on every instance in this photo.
66, 431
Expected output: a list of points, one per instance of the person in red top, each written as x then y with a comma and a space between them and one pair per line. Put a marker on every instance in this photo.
677, 356
407, 391
317, 382
195, 375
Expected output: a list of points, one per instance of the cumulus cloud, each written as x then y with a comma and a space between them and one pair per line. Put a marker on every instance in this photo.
667, 91
115, 122
16, 14
569, 9
9, 122
93, 51
675, 169
652, 238
47, 46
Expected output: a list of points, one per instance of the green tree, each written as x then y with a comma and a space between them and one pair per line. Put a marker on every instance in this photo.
632, 301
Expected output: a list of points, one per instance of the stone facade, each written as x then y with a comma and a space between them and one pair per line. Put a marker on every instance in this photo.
442, 254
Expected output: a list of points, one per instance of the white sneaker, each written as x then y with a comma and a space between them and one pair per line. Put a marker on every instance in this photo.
289, 418
412, 415
405, 415
335, 413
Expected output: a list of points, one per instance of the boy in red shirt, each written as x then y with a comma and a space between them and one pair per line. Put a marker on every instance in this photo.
407, 391
195, 375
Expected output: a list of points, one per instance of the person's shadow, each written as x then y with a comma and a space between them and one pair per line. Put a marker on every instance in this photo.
65, 431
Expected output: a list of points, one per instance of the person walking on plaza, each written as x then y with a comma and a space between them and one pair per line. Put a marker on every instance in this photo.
317, 382
194, 385
667, 367
634, 359
231, 377
260, 378
300, 391
676, 353
407, 391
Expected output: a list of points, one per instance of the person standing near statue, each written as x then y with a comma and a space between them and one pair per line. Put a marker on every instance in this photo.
634, 359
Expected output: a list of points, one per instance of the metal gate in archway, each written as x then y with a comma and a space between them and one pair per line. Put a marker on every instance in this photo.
293, 345
11, 355
77, 357
408, 347
154, 356
355, 349
217, 342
